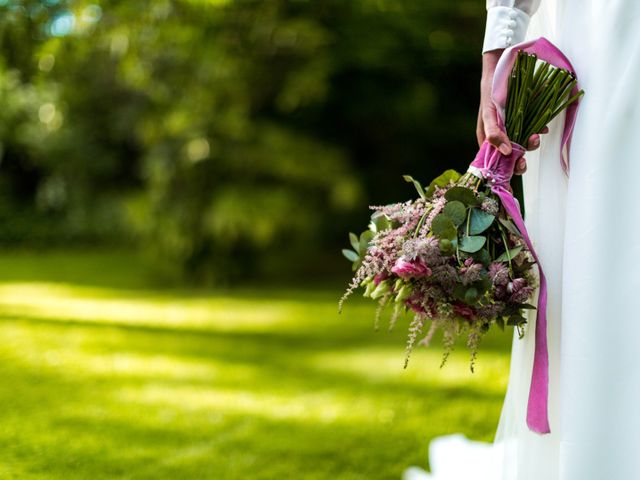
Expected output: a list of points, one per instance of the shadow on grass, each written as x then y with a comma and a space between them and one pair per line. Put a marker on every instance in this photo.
309, 396
131, 424
87, 427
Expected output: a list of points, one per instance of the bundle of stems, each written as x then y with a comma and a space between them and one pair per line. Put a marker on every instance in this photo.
537, 92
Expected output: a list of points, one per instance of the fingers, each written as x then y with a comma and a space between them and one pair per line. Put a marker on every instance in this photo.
493, 133
521, 166
496, 136
534, 142
480, 128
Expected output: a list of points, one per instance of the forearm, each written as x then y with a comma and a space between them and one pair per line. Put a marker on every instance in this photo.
507, 22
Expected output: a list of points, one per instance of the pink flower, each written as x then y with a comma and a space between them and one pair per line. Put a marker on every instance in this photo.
499, 274
465, 311
471, 273
522, 295
414, 303
519, 290
379, 278
411, 269
516, 285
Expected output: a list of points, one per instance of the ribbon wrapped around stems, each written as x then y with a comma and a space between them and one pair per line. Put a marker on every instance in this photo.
498, 169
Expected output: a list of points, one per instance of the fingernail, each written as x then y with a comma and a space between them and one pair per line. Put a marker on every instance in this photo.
504, 149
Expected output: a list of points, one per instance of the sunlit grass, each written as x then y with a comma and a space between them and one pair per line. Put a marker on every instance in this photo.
106, 377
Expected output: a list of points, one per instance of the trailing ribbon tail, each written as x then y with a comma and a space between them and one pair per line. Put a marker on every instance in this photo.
498, 169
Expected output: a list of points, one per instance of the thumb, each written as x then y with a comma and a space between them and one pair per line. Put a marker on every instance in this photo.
493, 133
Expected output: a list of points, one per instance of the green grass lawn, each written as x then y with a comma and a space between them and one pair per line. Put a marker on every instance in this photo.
104, 376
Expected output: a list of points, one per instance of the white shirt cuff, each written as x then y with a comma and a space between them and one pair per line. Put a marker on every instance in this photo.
505, 27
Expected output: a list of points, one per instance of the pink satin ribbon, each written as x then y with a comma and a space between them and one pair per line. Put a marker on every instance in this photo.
498, 169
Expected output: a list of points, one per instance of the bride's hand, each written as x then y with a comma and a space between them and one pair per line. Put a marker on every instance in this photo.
487, 127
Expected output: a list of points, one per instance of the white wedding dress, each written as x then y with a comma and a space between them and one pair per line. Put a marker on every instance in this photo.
586, 230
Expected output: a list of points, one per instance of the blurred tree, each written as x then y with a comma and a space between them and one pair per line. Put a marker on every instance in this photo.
227, 134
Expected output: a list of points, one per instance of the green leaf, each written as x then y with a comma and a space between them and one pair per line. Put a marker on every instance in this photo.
500, 323
509, 225
416, 183
443, 227
516, 320
480, 221
482, 256
483, 285
363, 244
442, 181
471, 294
459, 292
471, 244
512, 253
446, 246
350, 255
353, 240
526, 306
379, 222
456, 211
462, 194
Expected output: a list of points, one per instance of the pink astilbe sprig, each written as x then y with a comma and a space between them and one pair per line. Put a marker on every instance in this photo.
436, 209
407, 267
385, 248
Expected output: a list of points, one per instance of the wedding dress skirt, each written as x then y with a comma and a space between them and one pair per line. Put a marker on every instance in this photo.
586, 230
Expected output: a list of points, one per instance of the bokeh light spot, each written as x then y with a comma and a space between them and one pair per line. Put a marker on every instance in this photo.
62, 25
47, 112
46, 62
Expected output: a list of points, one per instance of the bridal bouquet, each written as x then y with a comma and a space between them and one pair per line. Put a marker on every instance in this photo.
458, 256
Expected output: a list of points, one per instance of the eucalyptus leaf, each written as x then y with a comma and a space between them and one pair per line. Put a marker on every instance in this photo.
354, 241
482, 256
512, 253
479, 221
350, 255
456, 211
416, 183
471, 294
446, 246
471, 244
442, 181
462, 194
443, 227
363, 244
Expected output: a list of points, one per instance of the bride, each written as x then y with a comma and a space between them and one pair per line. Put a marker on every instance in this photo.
586, 231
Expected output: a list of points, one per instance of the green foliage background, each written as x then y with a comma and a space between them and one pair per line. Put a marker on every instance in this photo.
227, 139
